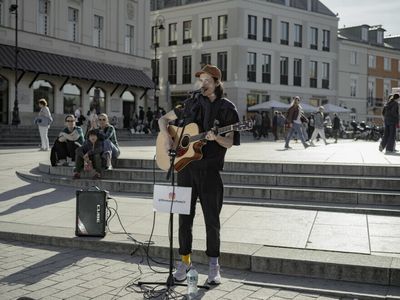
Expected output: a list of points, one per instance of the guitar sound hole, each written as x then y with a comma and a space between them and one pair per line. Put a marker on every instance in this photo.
185, 141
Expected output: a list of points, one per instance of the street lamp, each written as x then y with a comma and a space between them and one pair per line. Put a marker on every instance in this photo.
15, 115
159, 26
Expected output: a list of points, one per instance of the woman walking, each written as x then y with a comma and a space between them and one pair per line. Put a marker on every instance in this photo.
295, 116
43, 121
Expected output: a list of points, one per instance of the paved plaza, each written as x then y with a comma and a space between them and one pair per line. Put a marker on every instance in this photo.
36, 209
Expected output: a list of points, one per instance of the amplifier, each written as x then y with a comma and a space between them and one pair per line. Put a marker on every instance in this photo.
91, 213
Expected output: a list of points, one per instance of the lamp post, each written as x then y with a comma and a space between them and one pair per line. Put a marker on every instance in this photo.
159, 26
15, 115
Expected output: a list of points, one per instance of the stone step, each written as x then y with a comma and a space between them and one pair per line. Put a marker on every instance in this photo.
287, 168
242, 178
312, 264
260, 193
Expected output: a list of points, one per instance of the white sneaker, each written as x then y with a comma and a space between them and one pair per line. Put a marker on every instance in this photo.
181, 270
214, 277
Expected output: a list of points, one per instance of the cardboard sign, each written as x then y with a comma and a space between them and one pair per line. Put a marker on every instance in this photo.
175, 199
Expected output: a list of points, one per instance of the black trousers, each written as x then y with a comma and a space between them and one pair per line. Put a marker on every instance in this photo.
65, 149
389, 137
208, 187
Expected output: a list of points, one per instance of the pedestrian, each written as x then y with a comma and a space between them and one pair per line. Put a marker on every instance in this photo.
204, 175
149, 116
68, 140
319, 128
43, 120
390, 114
266, 124
295, 115
141, 115
336, 126
275, 125
281, 125
257, 125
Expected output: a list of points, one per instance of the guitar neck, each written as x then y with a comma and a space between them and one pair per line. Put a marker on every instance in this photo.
202, 136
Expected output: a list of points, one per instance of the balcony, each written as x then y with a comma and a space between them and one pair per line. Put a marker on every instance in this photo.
267, 39
222, 36
172, 78
298, 44
326, 49
172, 43
252, 36
266, 77
284, 42
187, 41
186, 78
313, 82
314, 47
325, 83
251, 76
206, 38
297, 80
284, 79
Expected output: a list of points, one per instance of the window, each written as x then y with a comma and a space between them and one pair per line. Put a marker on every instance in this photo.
266, 68
326, 40
98, 31
298, 35
313, 74
206, 59
371, 61
284, 69
43, 89
314, 38
353, 58
297, 72
97, 100
364, 34
206, 29
386, 89
267, 30
353, 87
371, 92
222, 27
187, 32
172, 70
187, 69
172, 35
155, 36
222, 64
72, 97
386, 64
325, 75
43, 22
252, 27
284, 33
379, 37
73, 24
251, 66
129, 39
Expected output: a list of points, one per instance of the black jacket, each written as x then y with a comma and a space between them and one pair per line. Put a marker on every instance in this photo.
391, 113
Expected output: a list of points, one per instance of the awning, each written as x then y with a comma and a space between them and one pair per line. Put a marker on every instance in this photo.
59, 65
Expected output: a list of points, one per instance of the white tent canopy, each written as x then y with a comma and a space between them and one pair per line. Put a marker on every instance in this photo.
332, 108
264, 106
308, 108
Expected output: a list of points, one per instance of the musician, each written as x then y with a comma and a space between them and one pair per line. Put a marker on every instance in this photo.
205, 108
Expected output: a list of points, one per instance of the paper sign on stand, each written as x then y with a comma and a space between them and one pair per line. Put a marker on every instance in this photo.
178, 196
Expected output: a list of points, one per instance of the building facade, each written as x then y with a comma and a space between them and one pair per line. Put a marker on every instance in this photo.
266, 50
75, 53
369, 68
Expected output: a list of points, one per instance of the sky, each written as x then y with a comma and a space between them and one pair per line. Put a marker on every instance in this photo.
370, 12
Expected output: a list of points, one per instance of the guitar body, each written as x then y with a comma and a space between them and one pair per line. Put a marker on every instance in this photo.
186, 152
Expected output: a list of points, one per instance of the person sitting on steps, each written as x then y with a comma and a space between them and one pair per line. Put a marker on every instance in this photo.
90, 153
68, 140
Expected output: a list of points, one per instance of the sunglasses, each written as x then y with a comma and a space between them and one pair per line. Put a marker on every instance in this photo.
70, 121
102, 119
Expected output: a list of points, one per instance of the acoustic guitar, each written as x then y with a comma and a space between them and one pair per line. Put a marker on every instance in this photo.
190, 144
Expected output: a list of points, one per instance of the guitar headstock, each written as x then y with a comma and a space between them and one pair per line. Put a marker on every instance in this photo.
242, 126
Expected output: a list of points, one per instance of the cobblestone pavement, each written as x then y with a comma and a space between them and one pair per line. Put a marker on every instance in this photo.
45, 272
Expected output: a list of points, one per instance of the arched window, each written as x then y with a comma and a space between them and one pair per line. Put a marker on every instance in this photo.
98, 99
43, 89
3, 100
128, 108
72, 98
128, 96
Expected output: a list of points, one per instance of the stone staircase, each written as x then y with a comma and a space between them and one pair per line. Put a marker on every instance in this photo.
351, 188
11, 136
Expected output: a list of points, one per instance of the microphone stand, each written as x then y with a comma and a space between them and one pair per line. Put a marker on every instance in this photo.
168, 291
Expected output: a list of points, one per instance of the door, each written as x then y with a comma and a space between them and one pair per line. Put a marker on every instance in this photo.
3, 100
128, 109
